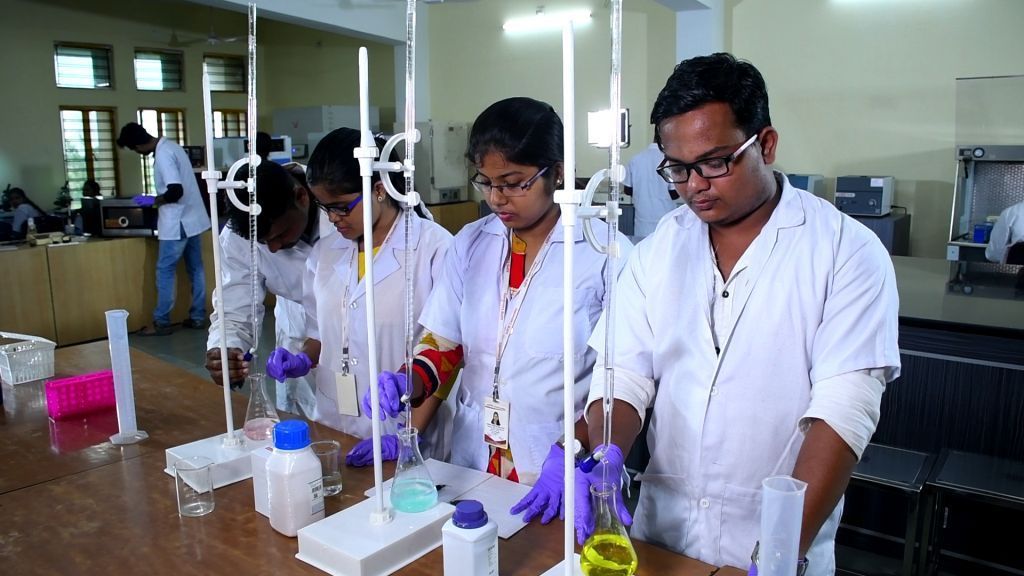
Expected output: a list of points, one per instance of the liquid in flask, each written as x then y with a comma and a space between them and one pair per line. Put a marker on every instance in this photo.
413, 489
261, 415
608, 551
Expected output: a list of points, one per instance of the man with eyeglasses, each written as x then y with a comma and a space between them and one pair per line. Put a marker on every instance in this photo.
287, 228
759, 327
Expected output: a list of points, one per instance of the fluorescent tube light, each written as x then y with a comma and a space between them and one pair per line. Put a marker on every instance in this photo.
545, 21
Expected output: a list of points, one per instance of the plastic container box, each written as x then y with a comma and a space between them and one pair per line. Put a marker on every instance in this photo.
27, 360
70, 397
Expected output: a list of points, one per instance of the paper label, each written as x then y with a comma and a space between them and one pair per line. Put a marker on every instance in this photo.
347, 396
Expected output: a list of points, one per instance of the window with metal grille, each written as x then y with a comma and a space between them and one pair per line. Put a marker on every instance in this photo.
229, 123
227, 73
158, 70
161, 123
89, 150
82, 66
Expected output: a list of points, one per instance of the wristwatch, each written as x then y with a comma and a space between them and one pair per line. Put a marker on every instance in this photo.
578, 453
801, 564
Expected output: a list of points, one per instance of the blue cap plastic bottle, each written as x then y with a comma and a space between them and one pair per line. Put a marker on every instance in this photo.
470, 541
469, 514
291, 435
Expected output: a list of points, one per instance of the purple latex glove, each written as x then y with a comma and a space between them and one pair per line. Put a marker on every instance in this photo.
390, 386
753, 570
546, 494
282, 365
362, 454
144, 201
613, 462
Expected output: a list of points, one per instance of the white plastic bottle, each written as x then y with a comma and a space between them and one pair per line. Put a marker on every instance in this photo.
294, 480
470, 541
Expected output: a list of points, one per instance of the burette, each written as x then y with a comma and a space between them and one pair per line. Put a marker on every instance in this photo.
366, 153
254, 288
575, 204
213, 184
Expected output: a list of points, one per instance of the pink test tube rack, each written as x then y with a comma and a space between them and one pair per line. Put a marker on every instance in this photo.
70, 397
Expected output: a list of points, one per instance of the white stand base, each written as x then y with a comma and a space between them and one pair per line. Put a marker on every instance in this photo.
559, 569
121, 439
230, 463
349, 544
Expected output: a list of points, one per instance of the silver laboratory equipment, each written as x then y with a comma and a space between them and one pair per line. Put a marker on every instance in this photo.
989, 178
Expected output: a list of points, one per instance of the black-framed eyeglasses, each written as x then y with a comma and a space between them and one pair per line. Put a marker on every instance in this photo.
708, 168
340, 209
507, 190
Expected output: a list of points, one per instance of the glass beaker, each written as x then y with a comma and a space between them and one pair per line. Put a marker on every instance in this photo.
413, 489
608, 551
261, 415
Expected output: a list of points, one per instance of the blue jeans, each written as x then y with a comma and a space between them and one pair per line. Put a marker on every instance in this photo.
171, 251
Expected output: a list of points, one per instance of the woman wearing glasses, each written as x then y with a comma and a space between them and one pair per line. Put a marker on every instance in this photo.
336, 293
498, 308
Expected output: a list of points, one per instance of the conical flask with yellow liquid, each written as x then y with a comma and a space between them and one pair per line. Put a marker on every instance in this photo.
608, 551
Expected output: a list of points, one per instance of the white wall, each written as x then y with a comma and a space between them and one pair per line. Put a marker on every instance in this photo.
868, 87
487, 64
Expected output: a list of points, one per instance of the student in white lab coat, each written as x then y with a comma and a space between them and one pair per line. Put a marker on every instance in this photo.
498, 308
1008, 231
652, 196
759, 325
336, 293
287, 228
182, 219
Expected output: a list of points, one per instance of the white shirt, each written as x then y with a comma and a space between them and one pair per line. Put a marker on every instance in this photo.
464, 308
171, 166
1008, 230
651, 194
813, 301
335, 300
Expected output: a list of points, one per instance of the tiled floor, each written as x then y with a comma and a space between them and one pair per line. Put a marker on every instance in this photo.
187, 347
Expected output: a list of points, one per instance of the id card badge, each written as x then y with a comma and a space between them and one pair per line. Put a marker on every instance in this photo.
495, 414
348, 398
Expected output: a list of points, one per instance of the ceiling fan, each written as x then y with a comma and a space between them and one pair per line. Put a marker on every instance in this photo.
212, 39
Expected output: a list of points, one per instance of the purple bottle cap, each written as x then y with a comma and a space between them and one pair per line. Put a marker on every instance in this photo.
469, 514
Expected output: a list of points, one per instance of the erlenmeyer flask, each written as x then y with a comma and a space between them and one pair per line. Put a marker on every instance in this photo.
608, 551
261, 415
413, 489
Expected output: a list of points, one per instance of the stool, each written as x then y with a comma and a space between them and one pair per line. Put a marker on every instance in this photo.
994, 481
905, 471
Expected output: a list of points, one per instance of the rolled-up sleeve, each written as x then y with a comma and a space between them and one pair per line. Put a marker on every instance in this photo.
850, 404
630, 387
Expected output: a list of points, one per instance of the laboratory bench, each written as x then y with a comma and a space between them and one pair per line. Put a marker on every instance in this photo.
61, 291
72, 503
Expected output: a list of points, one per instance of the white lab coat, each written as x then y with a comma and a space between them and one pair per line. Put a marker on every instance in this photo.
464, 308
171, 166
1008, 230
335, 295
281, 274
651, 196
820, 301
